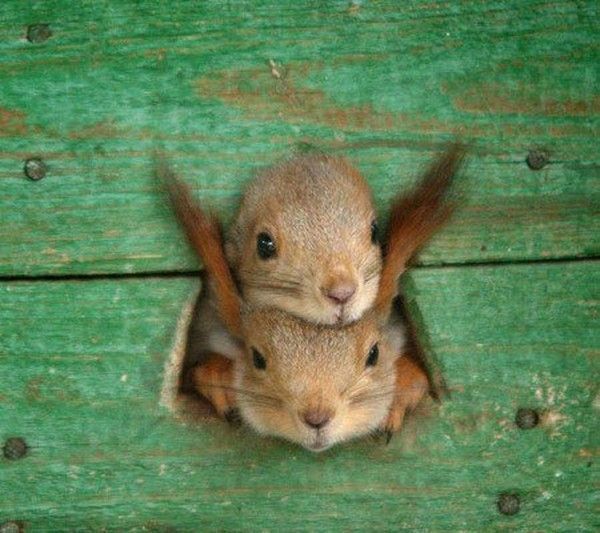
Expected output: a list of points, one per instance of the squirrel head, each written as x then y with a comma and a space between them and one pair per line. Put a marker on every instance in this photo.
315, 385
306, 241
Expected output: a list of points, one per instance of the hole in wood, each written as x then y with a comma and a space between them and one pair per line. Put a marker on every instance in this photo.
537, 159
178, 393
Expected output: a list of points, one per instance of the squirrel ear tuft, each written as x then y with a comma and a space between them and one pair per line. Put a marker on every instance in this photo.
414, 218
204, 234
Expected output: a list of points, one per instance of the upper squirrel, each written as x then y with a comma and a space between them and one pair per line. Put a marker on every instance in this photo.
305, 240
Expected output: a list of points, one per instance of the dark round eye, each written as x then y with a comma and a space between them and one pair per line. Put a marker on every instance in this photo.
258, 360
374, 232
373, 355
265, 246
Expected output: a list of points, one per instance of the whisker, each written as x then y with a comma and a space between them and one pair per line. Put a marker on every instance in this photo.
282, 279
263, 406
288, 278
369, 391
365, 393
255, 396
285, 284
367, 399
371, 271
362, 384
293, 290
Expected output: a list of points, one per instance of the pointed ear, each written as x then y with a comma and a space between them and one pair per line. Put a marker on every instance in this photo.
204, 234
414, 218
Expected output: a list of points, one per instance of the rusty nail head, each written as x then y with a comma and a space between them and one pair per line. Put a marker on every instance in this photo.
11, 527
527, 418
38, 33
35, 169
537, 159
508, 504
14, 448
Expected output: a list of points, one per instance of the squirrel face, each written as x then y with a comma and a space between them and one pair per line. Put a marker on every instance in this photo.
306, 241
315, 385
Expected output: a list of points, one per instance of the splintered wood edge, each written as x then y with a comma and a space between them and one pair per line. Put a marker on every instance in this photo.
184, 407
415, 325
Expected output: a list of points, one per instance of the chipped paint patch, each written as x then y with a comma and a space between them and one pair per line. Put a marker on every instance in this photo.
494, 98
596, 401
553, 398
105, 129
267, 93
552, 419
12, 123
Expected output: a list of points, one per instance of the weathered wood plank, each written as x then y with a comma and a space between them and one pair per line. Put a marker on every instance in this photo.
382, 82
82, 362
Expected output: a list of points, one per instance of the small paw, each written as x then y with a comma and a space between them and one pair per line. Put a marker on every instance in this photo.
393, 421
411, 386
382, 434
213, 379
234, 417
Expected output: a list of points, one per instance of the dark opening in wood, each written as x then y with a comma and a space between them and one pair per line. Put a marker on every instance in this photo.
178, 392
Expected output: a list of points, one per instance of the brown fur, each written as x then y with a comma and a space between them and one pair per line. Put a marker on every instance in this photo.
415, 217
214, 380
319, 211
204, 234
411, 386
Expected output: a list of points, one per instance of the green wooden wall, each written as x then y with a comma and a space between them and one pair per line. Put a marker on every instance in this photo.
94, 273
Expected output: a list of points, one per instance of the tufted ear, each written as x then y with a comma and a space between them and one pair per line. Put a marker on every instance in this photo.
414, 218
204, 234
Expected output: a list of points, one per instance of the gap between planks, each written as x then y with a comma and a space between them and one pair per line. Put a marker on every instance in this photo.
166, 274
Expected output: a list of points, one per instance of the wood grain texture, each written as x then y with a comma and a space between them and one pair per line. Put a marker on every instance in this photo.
81, 366
226, 88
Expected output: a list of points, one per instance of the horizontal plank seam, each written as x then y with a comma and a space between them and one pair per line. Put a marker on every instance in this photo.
166, 274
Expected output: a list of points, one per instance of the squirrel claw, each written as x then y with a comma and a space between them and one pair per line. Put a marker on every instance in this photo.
382, 433
233, 417
411, 386
388, 436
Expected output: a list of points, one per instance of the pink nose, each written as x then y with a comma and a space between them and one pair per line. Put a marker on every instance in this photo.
340, 293
317, 418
